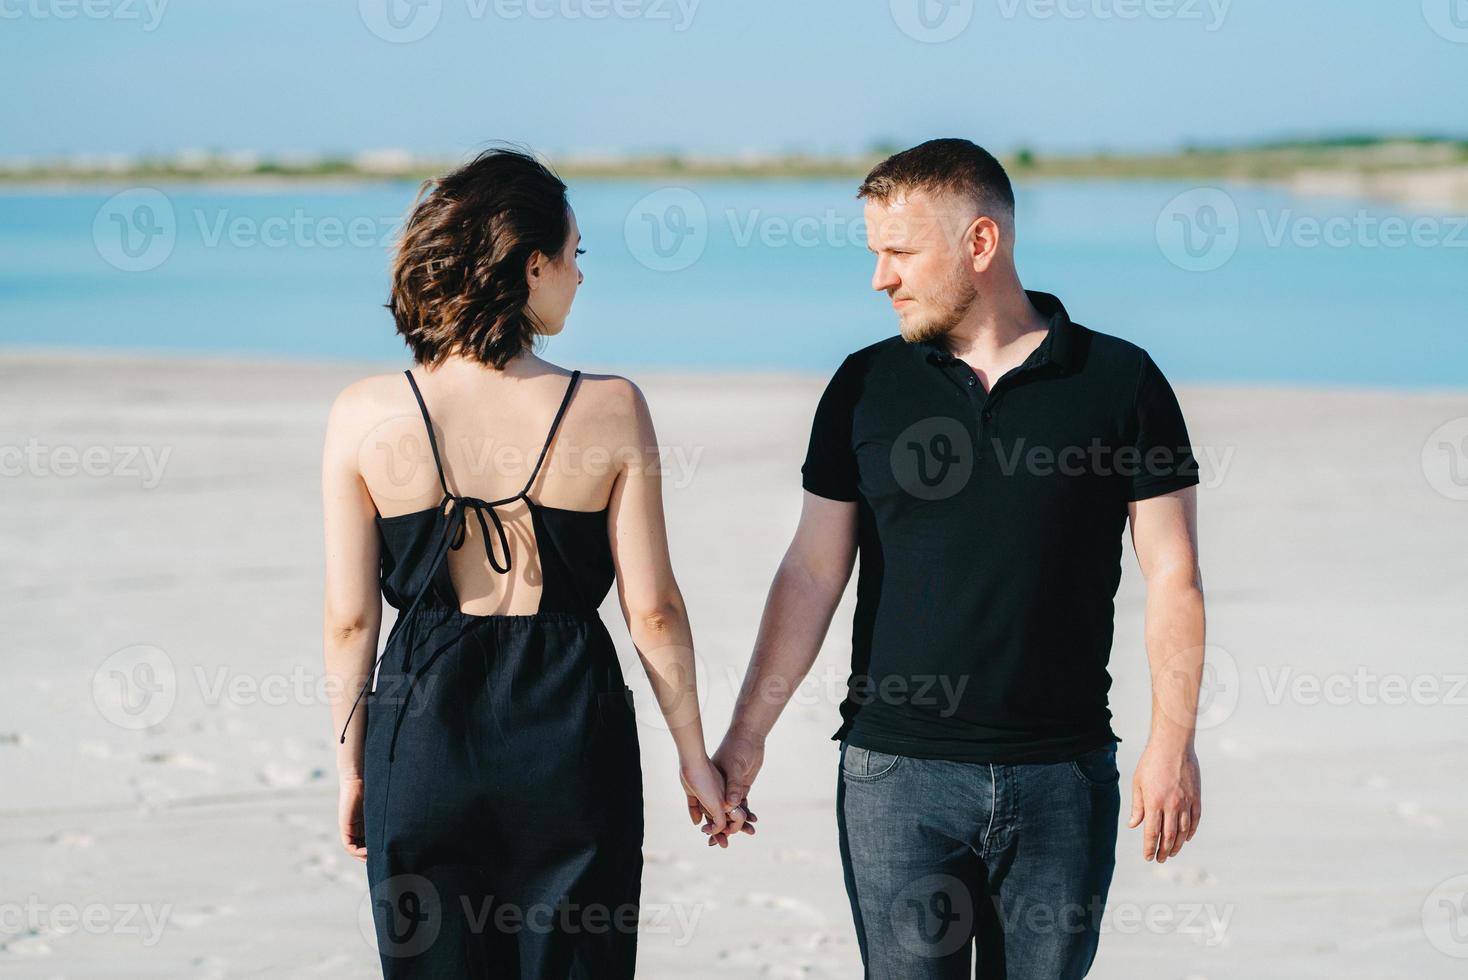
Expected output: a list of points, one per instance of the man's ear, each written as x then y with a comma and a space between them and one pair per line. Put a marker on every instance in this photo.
983, 242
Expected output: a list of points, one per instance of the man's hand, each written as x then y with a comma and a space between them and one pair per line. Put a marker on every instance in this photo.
739, 758
1167, 800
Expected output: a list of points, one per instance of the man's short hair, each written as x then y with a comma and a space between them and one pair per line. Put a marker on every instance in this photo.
955, 166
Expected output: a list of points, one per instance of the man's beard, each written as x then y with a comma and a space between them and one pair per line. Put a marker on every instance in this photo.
941, 313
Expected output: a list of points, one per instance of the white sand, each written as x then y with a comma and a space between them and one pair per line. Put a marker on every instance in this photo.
205, 845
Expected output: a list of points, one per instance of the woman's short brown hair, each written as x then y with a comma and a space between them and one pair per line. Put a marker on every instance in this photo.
458, 276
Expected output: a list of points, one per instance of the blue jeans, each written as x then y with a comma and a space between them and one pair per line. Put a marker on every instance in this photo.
942, 857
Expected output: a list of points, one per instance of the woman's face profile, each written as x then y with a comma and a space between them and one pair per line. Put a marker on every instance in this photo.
554, 281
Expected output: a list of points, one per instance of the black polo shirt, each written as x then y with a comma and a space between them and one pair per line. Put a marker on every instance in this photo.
990, 536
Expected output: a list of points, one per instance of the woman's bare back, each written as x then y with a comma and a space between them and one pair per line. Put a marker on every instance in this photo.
491, 427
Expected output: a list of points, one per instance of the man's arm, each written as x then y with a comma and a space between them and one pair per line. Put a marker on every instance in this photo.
1167, 788
802, 599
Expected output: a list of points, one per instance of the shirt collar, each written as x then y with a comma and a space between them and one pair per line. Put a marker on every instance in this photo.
1056, 348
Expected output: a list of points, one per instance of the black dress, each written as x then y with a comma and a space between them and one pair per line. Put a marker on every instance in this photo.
503, 789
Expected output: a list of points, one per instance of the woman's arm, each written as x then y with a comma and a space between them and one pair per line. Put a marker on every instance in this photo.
353, 605
654, 610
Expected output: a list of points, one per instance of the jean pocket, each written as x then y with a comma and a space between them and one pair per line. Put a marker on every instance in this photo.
866, 764
1098, 768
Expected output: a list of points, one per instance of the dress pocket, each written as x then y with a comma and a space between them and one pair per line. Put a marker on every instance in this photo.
613, 707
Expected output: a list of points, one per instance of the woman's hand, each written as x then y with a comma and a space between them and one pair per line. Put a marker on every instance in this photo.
349, 817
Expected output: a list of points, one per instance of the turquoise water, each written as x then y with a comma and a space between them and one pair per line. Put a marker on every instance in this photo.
1251, 284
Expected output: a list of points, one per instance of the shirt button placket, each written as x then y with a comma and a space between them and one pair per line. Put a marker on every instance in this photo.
971, 383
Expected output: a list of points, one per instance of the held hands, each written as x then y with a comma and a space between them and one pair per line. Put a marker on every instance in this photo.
1167, 800
738, 760
703, 786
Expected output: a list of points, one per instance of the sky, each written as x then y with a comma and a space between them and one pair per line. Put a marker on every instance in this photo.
444, 77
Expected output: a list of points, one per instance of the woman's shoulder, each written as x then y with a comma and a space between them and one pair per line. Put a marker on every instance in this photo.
610, 394
370, 395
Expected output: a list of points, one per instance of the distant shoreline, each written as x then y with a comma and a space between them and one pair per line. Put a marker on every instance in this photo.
1367, 155
1427, 173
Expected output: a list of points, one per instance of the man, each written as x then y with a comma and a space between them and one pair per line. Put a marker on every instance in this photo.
983, 464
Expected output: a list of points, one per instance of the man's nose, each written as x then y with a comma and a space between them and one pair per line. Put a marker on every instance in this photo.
883, 278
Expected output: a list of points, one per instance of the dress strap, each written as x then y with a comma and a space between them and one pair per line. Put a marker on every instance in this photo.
550, 436
428, 424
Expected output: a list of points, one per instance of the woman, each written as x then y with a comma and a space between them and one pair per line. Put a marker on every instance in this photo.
490, 776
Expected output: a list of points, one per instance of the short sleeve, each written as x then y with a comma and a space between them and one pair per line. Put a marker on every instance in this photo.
1163, 460
830, 460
